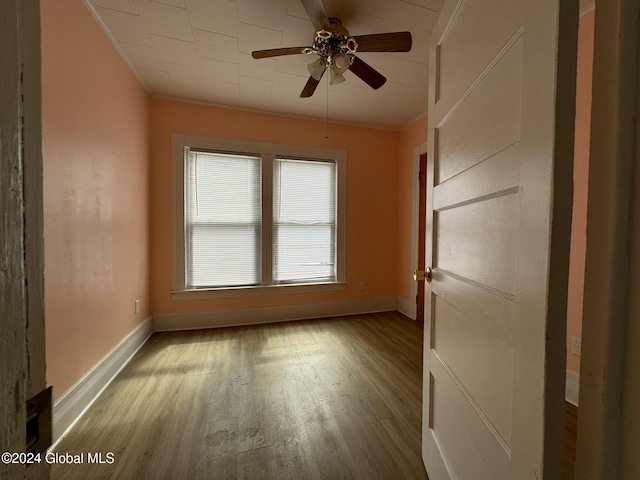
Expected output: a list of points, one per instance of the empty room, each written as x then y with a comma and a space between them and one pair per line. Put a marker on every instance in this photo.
298, 239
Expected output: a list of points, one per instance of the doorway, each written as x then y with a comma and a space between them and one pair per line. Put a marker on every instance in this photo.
422, 222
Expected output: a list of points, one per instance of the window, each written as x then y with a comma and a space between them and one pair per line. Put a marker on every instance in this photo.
223, 221
256, 219
304, 221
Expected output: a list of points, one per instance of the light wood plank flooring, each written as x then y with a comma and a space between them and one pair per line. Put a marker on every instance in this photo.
324, 399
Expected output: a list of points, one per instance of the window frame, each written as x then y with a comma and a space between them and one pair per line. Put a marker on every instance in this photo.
267, 152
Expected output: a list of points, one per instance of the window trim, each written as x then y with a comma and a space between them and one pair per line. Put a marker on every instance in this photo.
268, 152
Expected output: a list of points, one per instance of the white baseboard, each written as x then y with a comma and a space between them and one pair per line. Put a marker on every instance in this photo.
281, 313
407, 308
68, 409
572, 388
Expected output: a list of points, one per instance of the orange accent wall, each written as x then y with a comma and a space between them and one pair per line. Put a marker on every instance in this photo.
371, 197
580, 185
412, 136
95, 152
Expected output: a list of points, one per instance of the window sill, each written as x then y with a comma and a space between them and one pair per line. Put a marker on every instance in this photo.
204, 293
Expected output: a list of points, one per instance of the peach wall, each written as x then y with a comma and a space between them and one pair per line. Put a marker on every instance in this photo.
95, 130
412, 136
580, 185
371, 197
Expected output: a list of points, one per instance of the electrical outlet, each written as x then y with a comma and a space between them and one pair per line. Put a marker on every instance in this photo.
576, 346
363, 285
137, 306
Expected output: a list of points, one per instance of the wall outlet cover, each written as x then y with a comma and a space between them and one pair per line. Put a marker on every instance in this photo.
576, 346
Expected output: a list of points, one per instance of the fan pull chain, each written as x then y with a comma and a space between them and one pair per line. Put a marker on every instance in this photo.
326, 126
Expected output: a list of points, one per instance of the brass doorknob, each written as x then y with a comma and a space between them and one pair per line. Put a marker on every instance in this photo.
423, 274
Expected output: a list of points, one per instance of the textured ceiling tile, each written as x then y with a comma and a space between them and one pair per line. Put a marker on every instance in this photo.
176, 51
254, 102
252, 38
219, 71
309, 108
409, 67
379, 61
125, 27
165, 20
435, 5
264, 68
288, 84
255, 86
182, 75
297, 32
173, 3
420, 48
263, 13
158, 82
344, 94
142, 56
219, 92
359, 23
219, 16
125, 6
295, 8
283, 100
412, 17
295, 64
416, 86
216, 46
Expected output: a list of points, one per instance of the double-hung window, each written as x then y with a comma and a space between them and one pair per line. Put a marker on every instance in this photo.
304, 221
223, 219
256, 218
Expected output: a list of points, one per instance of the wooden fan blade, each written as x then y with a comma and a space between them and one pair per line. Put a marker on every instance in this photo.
310, 87
384, 42
367, 73
317, 14
277, 52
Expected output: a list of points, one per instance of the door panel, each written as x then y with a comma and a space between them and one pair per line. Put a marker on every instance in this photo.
464, 433
485, 130
497, 173
486, 380
470, 20
493, 312
495, 188
471, 237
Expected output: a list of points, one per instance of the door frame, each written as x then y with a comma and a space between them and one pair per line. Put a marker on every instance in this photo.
417, 151
609, 391
22, 246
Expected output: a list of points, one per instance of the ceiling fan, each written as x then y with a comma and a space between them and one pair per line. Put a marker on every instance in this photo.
336, 49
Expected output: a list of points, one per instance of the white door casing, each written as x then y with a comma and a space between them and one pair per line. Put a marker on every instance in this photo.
499, 187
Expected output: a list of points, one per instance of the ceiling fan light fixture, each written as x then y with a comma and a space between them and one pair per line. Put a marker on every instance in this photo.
336, 77
316, 68
341, 62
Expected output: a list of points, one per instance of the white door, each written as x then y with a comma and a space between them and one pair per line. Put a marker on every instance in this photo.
501, 96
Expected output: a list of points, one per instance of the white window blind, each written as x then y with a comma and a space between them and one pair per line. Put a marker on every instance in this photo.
304, 221
223, 220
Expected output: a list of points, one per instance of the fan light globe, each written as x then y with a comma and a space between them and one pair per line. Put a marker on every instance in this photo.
316, 69
341, 62
336, 77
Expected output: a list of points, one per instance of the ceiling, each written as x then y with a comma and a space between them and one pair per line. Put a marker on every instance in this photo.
200, 51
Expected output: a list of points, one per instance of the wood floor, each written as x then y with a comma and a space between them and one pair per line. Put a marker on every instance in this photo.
323, 399
570, 437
